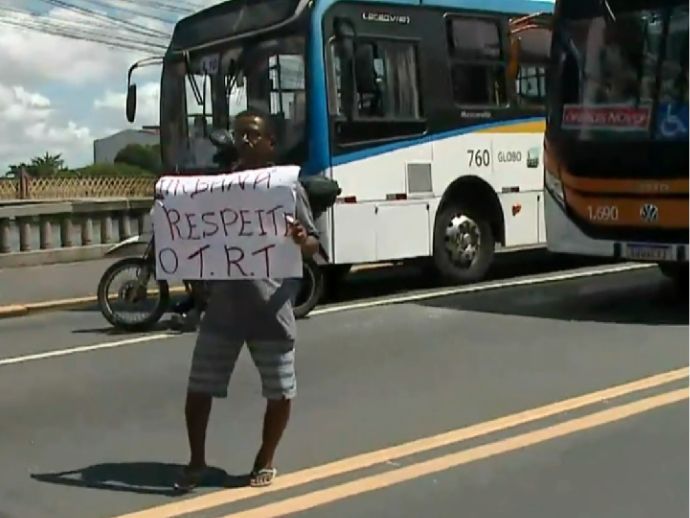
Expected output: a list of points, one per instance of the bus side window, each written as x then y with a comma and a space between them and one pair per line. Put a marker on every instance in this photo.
374, 91
387, 89
477, 67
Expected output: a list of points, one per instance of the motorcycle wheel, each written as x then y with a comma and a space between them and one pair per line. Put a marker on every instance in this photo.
129, 290
311, 289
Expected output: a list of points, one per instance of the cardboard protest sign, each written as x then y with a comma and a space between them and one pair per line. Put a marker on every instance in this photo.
230, 226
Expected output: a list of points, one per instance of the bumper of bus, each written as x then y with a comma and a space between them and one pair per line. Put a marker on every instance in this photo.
564, 237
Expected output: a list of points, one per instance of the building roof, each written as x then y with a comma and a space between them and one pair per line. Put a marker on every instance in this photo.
151, 131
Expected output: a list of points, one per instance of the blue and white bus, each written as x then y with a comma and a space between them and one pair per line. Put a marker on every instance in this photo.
428, 113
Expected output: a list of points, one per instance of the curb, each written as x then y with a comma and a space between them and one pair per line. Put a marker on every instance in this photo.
19, 310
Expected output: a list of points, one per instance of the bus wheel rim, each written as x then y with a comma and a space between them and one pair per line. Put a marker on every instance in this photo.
463, 238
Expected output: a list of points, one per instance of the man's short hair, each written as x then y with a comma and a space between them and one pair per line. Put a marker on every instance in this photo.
269, 125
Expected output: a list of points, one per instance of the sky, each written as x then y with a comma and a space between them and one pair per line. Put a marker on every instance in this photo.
57, 95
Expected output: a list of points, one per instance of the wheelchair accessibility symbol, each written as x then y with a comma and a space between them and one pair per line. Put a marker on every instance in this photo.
673, 121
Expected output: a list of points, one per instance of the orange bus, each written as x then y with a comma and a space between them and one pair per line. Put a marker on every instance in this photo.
616, 142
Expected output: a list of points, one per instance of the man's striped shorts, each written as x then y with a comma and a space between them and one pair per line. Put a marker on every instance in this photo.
214, 360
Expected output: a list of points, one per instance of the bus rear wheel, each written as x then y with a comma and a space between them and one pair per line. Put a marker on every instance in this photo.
464, 243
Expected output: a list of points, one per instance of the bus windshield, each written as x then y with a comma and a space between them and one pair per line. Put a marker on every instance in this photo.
624, 70
205, 90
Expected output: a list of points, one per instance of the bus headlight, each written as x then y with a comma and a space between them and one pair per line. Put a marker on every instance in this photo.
554, 185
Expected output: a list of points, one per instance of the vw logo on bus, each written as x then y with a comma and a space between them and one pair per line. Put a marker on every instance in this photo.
649, 212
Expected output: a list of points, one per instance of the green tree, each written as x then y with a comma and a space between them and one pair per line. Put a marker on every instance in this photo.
40, 166
15, 170
144, 157
112, 170
46, 165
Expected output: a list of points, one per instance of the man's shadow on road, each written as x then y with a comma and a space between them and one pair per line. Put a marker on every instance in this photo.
145, 478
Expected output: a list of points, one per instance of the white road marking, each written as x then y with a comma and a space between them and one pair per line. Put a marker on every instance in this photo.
527, 281
475, 288
83, 349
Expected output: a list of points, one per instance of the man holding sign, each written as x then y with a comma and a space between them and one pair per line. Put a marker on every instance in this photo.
249, 305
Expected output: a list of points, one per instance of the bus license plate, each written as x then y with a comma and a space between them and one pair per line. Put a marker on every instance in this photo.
648, 252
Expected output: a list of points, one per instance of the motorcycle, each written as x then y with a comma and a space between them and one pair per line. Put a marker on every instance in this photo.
137, 306
138, 254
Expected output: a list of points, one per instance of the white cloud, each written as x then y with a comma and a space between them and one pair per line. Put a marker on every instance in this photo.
31, 99
58, 94
17, 105
51, 135
110, 100
24, 59
148, 95
29, 127
49, 86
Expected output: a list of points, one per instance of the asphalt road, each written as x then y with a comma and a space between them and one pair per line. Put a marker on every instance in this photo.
50, 282
80, 279
100, 432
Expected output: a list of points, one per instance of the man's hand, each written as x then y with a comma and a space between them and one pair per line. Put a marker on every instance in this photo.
307, 243
298, 233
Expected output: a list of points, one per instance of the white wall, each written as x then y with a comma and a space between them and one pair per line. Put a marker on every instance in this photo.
106, 149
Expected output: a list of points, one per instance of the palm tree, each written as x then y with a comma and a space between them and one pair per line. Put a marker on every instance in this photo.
47, 165
15, 170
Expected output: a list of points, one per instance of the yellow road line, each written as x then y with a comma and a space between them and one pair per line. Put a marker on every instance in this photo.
50, 304
366, 460
13, 310
445, 462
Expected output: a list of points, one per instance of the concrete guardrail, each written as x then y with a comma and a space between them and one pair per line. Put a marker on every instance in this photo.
66, 231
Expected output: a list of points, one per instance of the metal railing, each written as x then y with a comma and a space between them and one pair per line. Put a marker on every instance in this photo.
60, 188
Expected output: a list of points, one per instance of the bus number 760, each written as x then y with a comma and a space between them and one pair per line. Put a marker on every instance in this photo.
479, 157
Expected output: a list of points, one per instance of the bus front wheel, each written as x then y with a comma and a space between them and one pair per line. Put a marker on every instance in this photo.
463, 243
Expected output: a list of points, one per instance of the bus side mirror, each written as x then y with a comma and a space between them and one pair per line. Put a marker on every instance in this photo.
131, 102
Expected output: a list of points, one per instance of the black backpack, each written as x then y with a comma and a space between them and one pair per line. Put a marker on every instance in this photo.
321, 192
